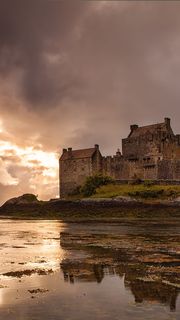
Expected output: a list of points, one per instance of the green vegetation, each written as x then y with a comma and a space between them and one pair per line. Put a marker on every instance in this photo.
94, 182
146, 190
99, 186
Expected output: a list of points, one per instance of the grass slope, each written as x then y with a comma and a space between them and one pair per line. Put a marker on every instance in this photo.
141, 191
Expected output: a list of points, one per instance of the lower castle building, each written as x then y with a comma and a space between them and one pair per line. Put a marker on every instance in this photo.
149, 152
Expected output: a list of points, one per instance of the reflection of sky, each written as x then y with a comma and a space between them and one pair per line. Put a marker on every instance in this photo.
27, 245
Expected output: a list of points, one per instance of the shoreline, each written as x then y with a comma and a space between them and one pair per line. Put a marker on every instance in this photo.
89, 210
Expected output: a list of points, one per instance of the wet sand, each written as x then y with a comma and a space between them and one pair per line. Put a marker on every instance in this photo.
57, 270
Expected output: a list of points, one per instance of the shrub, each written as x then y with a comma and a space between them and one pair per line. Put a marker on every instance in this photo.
94, 182
135, 180
75, 192
148, 183
147, 194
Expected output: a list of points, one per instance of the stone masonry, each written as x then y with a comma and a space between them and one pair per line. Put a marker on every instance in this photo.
149, 152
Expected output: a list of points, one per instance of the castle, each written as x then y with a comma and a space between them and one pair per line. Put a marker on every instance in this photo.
149, 152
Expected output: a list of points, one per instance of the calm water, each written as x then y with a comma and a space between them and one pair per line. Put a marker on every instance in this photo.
52, 270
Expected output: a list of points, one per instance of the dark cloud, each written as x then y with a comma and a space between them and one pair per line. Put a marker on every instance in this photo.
99, 54
33, 34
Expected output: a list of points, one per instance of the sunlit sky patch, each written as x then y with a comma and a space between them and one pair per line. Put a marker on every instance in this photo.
40, 167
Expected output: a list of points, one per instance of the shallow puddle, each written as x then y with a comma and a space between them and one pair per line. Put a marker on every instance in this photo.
55, 270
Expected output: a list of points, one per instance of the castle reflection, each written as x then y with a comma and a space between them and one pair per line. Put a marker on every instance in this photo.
150, 291
155, 280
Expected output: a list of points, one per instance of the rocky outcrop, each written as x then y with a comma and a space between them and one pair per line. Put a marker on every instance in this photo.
25, 198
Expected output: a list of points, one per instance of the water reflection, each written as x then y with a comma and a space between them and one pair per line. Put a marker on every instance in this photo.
28, 244
148, 262
28, 248
142, 290
51, 270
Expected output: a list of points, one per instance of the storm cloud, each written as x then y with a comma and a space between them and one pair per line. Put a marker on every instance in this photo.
76, 73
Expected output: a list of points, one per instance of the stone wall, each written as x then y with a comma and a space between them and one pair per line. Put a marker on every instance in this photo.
120, 168
97, 162
115, 167
154, 141
137, 148
74, 171
165, 170
176, 172
73, 174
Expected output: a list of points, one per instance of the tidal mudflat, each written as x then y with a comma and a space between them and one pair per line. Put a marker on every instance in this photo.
56, 270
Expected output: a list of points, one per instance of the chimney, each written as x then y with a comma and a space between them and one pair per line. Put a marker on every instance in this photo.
167, 122
118, 153
64, 150
133, 127
69, 152
96, 146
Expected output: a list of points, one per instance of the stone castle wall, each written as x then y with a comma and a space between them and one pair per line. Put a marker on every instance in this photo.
124, 169
73, 173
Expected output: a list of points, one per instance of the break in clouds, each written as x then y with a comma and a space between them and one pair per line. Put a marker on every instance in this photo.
76, 73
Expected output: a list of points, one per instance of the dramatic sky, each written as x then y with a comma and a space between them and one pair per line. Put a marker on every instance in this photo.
75, 73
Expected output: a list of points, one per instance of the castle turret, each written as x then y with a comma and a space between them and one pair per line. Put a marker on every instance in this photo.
118, 153
133, 127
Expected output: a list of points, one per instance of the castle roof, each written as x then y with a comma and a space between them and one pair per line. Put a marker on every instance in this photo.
78, 154
151, 129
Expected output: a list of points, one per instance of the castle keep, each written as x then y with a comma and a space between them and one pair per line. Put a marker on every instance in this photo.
149, 152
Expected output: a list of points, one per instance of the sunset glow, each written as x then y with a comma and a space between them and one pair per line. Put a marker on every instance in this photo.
40, 167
